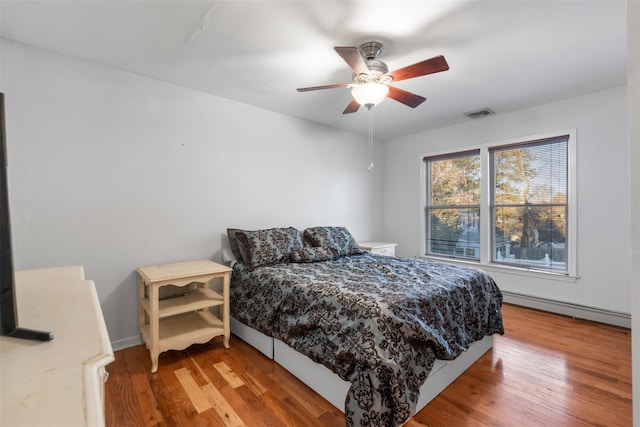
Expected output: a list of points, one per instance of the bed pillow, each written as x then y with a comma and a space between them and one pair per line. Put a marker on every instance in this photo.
308, 254
337, 238
268, 246
233, 242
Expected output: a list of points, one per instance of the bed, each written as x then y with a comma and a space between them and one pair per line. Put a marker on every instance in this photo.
376, 336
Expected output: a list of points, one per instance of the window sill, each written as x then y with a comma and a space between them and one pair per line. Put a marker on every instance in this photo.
505, 269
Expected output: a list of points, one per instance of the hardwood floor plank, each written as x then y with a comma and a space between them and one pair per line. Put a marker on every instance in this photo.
145, 397
230, 376
546, 370
252, 383
305, 396
257, 411
222, 408
289, 412
176, 404
332, 419
127, 407
195, 393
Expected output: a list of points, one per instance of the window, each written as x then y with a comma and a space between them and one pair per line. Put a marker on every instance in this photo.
519, 213
529, 204
453, 211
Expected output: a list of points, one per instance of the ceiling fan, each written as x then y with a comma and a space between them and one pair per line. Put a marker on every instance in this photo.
371, 77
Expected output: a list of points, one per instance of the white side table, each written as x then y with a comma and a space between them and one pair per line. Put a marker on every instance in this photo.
176, 323
380, 248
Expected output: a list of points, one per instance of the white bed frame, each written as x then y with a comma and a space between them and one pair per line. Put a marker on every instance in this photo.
330, 386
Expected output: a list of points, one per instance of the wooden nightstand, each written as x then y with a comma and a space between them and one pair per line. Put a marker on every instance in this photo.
380, 248
176, 323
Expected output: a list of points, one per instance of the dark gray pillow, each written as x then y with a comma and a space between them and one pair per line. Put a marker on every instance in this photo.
268, 246
337, 238
233, 242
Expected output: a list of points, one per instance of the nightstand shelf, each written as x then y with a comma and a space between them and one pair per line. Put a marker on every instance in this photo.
180, 331
184, 319
195, 299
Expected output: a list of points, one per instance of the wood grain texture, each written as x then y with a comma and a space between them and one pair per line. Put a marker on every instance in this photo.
428, 66
546, 370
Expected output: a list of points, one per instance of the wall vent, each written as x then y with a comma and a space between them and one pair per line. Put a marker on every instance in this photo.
478, 114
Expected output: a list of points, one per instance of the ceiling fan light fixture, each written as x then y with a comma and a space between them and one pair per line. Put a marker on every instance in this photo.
369, 94
371, 79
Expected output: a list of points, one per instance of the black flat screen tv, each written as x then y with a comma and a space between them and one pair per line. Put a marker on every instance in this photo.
8, 308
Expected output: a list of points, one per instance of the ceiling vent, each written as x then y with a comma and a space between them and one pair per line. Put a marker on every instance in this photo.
478, 114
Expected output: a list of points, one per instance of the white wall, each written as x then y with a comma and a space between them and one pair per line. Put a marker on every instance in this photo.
603, 192
111, 170
633, 94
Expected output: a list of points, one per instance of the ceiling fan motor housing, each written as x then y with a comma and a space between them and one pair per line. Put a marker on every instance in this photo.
370, 50
378, 70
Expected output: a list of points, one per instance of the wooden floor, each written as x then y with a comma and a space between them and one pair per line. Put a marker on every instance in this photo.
546, 370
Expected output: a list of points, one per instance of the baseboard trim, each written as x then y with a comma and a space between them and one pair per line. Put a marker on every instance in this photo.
609, 317
126, 342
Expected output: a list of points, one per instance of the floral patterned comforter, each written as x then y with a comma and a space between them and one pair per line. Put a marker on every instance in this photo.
378, 322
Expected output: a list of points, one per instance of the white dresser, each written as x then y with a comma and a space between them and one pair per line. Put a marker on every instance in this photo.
380, 248
58, 382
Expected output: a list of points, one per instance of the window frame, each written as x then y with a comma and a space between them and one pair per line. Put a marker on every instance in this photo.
486, 217
429, 207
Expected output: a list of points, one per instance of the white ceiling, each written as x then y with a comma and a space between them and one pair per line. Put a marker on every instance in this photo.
504, 55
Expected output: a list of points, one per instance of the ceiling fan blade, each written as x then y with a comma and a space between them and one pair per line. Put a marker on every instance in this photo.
407, 98
352, 107
428, 66
307, 89
352, 57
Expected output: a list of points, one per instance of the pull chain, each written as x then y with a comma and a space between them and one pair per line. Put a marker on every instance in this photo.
370, 139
